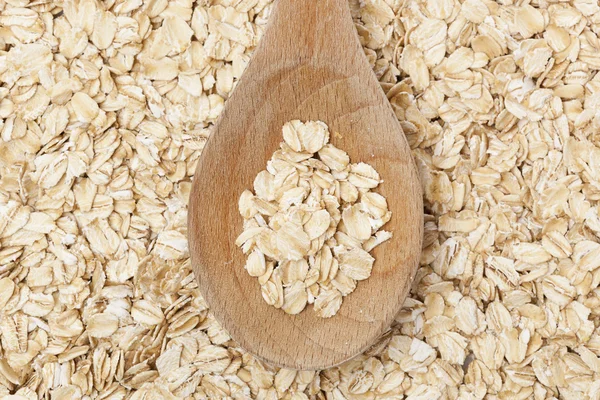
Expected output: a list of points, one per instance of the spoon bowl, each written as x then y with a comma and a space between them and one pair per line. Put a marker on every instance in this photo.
308, 66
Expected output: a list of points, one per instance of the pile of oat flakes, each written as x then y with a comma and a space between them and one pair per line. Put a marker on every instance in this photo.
105, 108
311, 222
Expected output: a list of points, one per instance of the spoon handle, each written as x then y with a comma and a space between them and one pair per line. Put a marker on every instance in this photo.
318, 32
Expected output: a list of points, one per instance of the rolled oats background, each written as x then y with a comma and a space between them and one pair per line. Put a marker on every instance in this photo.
104, 111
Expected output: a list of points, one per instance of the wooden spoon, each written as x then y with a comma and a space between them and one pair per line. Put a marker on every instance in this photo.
308, 66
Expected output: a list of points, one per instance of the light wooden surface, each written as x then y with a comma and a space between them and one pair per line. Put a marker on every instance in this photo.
309, 66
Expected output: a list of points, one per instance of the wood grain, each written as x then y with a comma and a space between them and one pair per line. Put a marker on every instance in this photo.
309, 66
